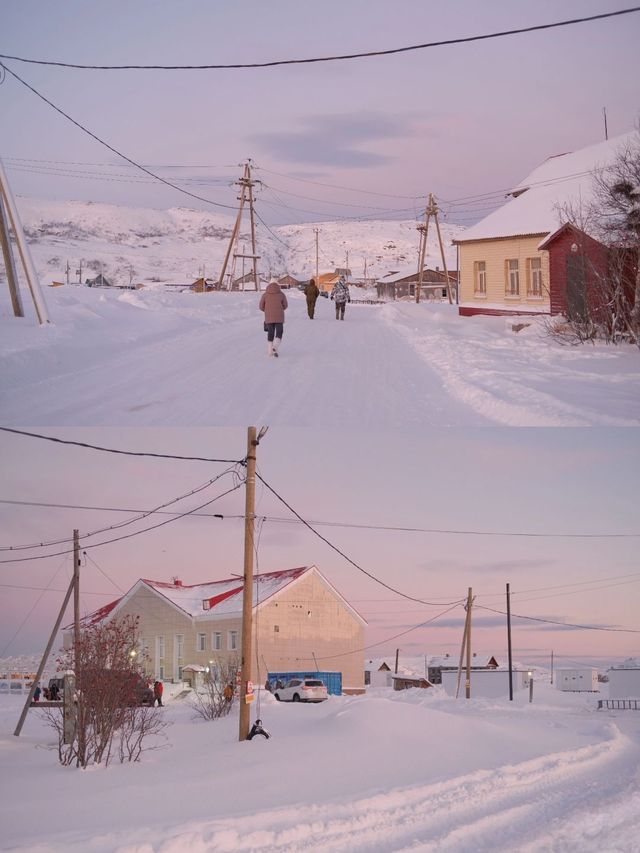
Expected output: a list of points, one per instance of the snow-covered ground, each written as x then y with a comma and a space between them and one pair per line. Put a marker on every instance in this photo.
139, 358
381, 772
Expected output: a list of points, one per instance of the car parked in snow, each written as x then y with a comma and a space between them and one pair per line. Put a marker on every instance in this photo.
302, 690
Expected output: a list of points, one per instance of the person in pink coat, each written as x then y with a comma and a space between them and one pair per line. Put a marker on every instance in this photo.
274, 304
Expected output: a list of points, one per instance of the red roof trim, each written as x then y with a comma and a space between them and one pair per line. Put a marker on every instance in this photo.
216, 599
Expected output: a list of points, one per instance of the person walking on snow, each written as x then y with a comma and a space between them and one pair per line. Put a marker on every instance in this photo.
274, 304
340, 294
158, 688
311, 292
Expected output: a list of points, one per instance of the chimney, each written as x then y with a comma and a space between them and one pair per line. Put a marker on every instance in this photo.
176, 581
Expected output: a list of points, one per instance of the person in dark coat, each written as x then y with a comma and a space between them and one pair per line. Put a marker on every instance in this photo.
311, 292
158, 689
36, 694
340, 294
274, 304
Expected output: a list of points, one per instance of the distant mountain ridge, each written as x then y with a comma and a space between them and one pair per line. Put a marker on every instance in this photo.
179, 244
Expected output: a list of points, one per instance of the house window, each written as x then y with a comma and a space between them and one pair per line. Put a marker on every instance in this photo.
233, 641
276, 629
412, 290
216, 641
160, 665
534, 277
479, 278
512, 284
201, 645
178, 651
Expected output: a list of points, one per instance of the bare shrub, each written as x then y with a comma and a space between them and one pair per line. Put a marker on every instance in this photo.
216, 697
107, 719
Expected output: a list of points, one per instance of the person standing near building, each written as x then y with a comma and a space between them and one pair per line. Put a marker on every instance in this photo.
274, 304
311, 292
158, 689
340, 294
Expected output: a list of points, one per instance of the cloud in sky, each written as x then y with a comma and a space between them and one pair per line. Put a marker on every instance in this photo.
337, 140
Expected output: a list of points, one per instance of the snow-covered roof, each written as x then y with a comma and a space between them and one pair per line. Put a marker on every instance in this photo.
536, 206
216, 598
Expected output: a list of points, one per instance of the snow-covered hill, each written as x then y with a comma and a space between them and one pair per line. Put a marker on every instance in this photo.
174, 246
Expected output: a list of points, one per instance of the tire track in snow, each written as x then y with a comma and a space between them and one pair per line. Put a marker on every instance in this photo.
502, 809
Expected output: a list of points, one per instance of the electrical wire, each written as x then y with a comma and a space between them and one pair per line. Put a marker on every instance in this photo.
388, 639
333, 58
343, 555
35, 604
129, 535
122, 452
115, 150
561, 624
139, 517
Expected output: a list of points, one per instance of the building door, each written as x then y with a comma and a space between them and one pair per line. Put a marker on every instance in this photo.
577, 288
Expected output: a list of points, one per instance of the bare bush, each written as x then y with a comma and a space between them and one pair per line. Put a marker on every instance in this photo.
108, 719
216, 696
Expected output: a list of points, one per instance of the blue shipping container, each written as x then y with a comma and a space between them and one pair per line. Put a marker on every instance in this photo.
332, 680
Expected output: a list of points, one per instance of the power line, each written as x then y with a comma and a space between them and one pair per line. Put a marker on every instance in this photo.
332, 58
358, 526
121, 452
389, 639
142, 514
115, 150
128, 535
342, 554
562, 624
49, 589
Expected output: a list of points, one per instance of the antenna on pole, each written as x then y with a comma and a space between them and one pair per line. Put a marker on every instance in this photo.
9, 219
246, 184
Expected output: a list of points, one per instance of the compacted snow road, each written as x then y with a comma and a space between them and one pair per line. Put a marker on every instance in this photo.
157, 359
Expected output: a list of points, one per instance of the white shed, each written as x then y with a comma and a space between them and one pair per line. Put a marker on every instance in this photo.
624, 680
581, 679
485, 683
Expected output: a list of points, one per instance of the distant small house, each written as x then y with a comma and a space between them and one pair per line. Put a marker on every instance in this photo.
436, 666
286, 281
202, 285
377, 676
487, 683
404, 682
401, 284
624, 680
327, 280
577, 680
99, 281
247, 282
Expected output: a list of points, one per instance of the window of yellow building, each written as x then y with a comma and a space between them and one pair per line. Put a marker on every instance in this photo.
512, 282
216, 641
534, 277
201, 645
480, 278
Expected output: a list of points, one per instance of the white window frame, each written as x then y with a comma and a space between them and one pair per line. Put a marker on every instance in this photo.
160, 648
216, 641
534, 278
512, 282
178, 655
232, 641
201, 643
479, 278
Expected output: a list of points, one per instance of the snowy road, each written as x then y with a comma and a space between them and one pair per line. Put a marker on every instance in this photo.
154, 359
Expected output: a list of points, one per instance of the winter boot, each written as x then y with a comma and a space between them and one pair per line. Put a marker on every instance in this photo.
276, 344
269, 348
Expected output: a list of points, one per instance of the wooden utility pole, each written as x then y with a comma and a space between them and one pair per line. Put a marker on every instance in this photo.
316, 231
47, 651
247, 595
431, 210
462, 648
468, 680
552, 666
76, 600
509, 643
9, 262
397, 653
246, 184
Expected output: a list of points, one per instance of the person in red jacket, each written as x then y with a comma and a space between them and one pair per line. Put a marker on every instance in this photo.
274, 304
158, 688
